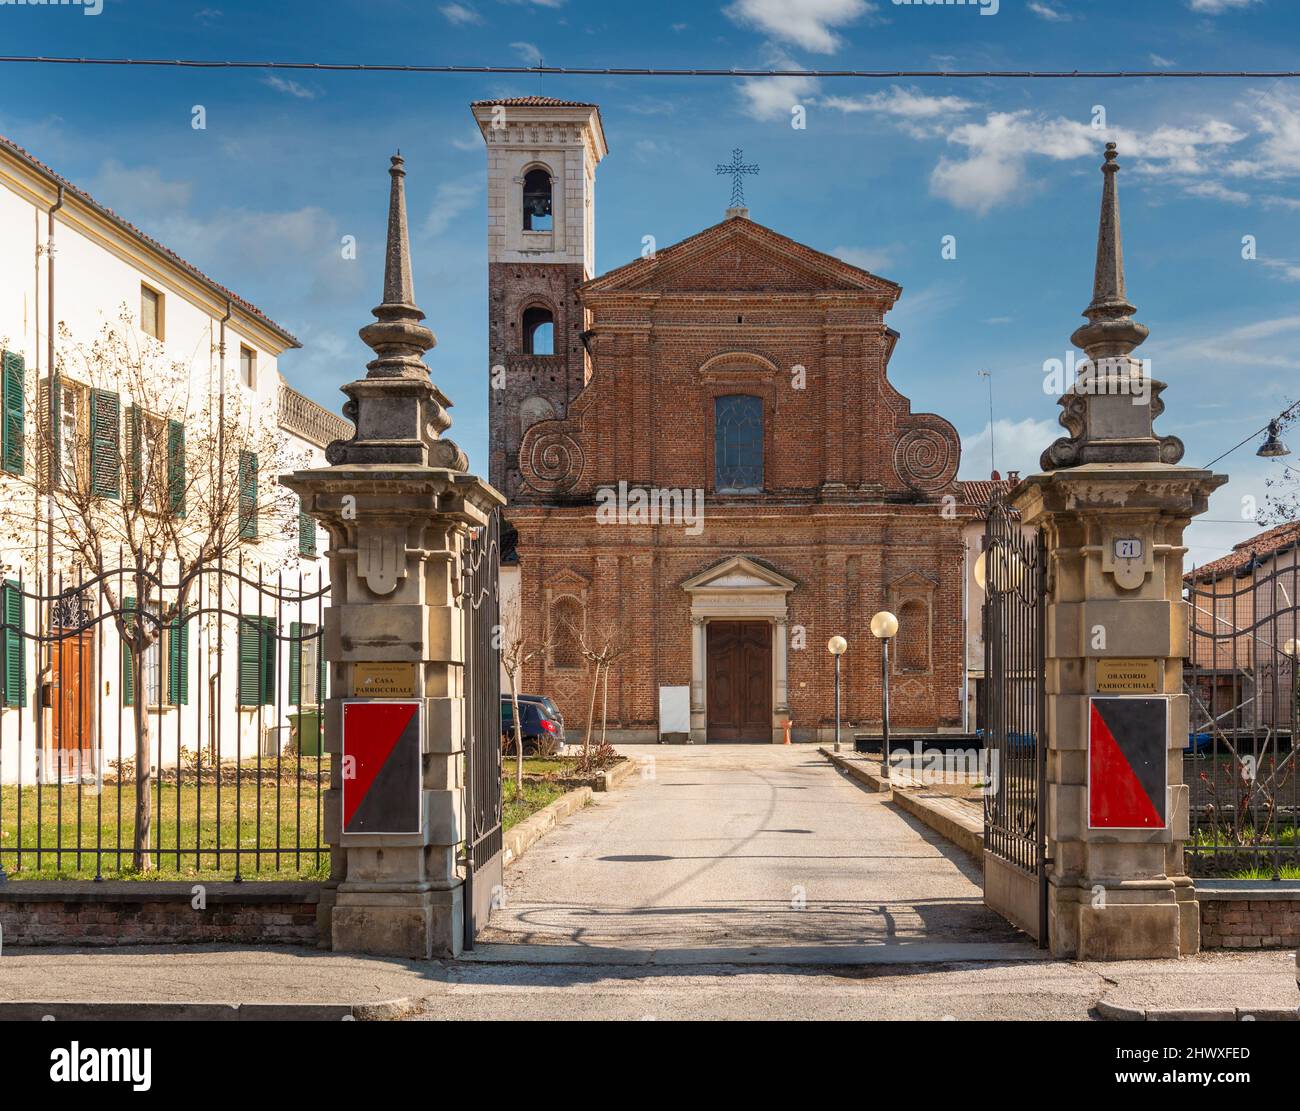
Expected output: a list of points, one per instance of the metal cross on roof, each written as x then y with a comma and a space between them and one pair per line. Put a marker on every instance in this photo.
737, 169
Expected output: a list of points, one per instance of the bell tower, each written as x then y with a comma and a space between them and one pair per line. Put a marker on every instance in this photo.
542, 158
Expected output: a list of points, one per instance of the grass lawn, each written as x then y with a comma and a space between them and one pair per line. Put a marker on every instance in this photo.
1286, 872
186, 818
72, 818
534, 797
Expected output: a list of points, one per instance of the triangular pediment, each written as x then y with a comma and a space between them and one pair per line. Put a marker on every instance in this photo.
739, 255
738, 573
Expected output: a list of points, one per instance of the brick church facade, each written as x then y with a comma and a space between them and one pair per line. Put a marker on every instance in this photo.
743, 368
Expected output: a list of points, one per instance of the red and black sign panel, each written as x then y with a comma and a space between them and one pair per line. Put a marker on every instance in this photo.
381, 767
1127, 763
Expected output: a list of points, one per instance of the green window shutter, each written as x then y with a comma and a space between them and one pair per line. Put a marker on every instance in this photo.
176, 467
178, 661
269, 645
248, 495
14, 389
306, 532
43, 445
257, 661
15, 676
128, 660
134, 454
105, 444
295, 663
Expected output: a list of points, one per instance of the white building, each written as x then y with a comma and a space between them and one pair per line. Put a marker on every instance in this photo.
232, 688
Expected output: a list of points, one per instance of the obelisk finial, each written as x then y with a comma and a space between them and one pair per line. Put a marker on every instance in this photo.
1111, 330
397, 336
1110, 409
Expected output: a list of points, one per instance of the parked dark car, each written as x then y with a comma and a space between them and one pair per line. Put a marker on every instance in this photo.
541, 729
546, 701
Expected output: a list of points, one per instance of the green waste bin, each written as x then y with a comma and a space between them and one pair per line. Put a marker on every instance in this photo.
306, 727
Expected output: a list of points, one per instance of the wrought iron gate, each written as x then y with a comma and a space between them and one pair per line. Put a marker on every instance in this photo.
1015, 604
481, 612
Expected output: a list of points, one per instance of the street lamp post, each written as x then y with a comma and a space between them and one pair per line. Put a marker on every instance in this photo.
883, 627
837, 646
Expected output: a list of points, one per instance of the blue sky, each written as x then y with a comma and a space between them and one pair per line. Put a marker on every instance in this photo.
291, 162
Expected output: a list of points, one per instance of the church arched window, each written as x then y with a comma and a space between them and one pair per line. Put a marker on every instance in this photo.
537, 200
539, 331
738, 444
566, 632
914, 636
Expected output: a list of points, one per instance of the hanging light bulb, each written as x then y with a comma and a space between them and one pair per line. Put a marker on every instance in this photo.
1272, 447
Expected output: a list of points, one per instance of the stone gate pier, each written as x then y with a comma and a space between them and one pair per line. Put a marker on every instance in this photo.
1114, 503
398, 503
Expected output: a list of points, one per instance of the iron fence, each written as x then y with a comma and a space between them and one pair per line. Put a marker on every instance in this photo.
1015, 603
1243, 687
165, 726
480, 602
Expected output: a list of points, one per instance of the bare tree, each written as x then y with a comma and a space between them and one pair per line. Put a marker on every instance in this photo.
151, 472
517, 651
601, 645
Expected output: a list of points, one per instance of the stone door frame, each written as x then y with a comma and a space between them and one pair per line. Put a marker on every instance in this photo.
739, 589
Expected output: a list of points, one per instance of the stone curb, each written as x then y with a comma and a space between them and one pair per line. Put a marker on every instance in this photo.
1115, 1012
615, 776
533, 828
158, 1011
948, 824
856, 771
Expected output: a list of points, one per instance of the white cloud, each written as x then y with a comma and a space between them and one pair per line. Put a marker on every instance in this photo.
994, 169
874, 259
292, 88
459, 15
1287, 271
805, 23
1016, 447
1216, 7
1161, 62
1045, 11
139, 189
528, 52
917, 113
768, 98
1215, 190
451, 200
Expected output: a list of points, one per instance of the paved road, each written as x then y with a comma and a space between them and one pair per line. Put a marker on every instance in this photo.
743, 845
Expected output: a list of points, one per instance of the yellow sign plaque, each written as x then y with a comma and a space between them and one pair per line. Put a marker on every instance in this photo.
1128, 676
383, 680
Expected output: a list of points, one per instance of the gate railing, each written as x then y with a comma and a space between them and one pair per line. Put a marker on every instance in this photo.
1015, 702
1243, 687
224, 699
480, 604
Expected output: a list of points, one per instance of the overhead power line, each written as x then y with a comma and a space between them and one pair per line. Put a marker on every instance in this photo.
646, 71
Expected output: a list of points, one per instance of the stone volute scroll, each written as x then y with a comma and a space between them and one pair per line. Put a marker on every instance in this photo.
926, 453
551, 459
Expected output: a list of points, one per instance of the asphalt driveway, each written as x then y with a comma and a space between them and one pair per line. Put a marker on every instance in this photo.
743, 845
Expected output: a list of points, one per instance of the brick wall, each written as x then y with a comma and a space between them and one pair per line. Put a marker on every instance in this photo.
1249, 919
130, 913
858, 504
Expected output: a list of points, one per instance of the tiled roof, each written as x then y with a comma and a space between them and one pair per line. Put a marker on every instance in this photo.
979, 492
533, 102
148, 241
1262, 546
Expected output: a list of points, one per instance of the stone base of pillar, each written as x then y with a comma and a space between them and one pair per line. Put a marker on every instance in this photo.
418, 924
1129, 921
